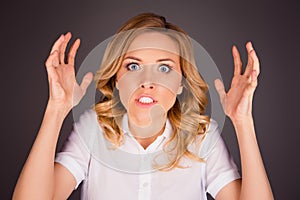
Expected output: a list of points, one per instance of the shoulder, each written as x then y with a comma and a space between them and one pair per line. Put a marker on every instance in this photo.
212, 127
87, 120
87, 127
212, 138
88, 116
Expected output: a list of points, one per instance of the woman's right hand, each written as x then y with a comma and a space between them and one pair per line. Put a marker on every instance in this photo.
65, 92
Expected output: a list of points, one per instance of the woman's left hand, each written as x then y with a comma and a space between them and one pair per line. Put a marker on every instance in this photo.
237, 102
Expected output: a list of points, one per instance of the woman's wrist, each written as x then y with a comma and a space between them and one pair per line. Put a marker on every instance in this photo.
242, 121
244, 126
58, 110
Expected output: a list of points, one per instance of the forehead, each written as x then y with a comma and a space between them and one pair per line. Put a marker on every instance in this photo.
154, 40
152, 55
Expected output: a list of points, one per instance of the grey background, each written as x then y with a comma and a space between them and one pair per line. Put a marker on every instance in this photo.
29, 28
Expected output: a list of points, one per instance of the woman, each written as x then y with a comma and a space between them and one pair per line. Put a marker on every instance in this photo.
154, 101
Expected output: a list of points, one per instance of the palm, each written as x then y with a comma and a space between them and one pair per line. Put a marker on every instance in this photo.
64, 90
237, 102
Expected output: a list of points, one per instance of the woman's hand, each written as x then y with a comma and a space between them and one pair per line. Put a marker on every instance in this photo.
64, 89
237, 102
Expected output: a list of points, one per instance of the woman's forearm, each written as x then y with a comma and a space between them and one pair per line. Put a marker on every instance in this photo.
36, 180
255, 183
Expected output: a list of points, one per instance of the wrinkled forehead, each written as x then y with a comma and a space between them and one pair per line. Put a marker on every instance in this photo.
154, 40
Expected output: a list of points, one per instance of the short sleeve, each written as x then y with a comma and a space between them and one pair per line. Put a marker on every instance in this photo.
74, 155
220, 167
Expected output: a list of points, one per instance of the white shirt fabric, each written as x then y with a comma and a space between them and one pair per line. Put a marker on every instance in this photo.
126, 178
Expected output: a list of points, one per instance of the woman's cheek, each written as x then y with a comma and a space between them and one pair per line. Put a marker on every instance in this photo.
127, 85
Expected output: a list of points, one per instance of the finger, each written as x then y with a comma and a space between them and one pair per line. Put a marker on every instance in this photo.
221, 90
63, 47
253, 62
87, 79
73, 51
52, 60
249, 92
254, 76
238, 65
49, 66
57, 44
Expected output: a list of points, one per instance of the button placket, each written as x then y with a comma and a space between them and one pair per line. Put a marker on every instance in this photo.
145, 186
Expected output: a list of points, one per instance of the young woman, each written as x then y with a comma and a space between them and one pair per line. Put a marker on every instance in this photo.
143, 139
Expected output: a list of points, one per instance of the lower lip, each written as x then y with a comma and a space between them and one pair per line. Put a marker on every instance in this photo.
145, 105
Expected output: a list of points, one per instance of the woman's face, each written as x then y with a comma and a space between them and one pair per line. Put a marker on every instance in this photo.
149, 78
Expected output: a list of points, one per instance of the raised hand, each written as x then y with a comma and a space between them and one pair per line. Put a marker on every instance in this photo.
237, 102
65, 92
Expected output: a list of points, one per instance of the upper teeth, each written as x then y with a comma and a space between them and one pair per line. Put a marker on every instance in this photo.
146, 100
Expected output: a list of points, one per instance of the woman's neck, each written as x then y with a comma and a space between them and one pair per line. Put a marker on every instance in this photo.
146, 135
146, 141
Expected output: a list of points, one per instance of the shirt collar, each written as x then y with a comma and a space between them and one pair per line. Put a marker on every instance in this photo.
167, 132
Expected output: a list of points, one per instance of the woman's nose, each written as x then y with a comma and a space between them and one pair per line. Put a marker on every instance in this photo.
148, 86
147, 78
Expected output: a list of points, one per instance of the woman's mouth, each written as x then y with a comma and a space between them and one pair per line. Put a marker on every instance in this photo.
145, 101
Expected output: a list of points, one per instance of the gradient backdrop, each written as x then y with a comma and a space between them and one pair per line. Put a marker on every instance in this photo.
29, 28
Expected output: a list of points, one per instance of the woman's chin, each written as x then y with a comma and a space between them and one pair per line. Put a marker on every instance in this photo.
141, 121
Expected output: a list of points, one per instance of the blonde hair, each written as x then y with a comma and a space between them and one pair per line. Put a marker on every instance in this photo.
187, 119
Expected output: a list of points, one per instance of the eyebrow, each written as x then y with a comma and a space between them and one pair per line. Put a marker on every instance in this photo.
165, 59
159, 60
133, 58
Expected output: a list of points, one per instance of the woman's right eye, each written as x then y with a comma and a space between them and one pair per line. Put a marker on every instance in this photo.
133, 67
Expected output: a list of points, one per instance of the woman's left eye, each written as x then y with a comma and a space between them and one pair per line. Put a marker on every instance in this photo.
164, 68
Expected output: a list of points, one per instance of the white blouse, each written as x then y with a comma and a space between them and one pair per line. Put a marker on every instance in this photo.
127, 172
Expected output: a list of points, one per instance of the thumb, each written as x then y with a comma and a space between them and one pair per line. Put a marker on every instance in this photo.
86, 81
221, 90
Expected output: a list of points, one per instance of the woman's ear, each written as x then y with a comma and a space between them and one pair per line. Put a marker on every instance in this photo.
179, 91
117, 85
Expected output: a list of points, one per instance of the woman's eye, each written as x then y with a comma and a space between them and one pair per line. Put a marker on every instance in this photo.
133, 67
164, 68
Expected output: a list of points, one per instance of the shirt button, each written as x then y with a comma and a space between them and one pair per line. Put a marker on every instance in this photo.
145, 184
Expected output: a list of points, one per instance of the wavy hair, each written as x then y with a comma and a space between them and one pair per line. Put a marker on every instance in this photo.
187, 114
